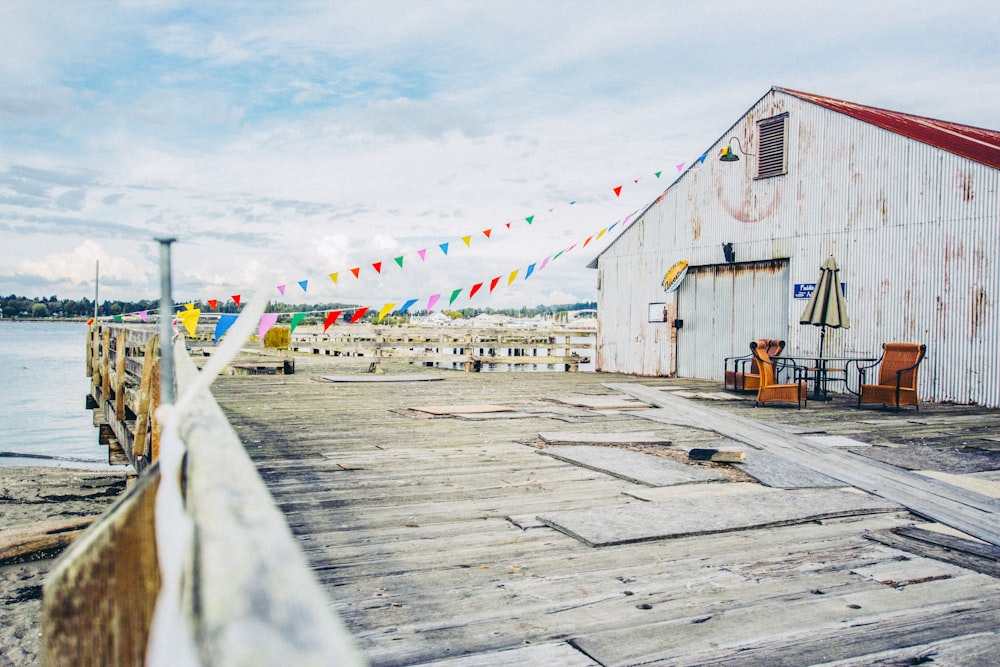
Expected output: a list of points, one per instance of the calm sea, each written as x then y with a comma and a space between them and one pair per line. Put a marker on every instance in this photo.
43, 415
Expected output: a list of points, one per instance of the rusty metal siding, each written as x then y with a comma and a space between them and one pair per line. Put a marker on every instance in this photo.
915, 229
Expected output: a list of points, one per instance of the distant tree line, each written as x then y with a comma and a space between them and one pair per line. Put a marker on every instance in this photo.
19, 306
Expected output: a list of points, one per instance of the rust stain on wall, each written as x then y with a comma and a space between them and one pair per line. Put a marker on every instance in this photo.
966, 186
978, 311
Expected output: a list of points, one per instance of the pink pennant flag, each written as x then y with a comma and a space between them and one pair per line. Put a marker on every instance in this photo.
281, 288
544, 262
493, 283
423, 254
475, 288
143, 315
618, 191
431, 301
267, 320
680, 167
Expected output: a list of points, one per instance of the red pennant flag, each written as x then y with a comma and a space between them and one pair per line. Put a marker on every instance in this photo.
377, 266
493, 283
618, 191
214, 303
358, 314
487, 232
587, 241
356, 271
90, 321
331, 317
508, 225
475, 288
236, 298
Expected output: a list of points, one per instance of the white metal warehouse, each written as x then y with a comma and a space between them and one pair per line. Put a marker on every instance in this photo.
908, 205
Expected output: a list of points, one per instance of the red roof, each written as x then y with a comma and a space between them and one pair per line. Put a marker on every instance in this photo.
972, 142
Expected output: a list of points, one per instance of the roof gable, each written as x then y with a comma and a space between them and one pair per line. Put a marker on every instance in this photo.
974, 143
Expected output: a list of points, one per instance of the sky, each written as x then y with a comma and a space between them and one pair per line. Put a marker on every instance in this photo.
282, 142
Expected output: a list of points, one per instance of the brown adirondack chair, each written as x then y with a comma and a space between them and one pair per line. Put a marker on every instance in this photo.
745, 372
770, 391
897, 376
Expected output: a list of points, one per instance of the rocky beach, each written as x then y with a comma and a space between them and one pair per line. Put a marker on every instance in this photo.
32, 498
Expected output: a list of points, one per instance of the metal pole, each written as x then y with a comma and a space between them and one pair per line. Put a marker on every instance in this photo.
97, 285
166, 325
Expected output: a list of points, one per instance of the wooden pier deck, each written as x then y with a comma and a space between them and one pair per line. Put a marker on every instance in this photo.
442, 536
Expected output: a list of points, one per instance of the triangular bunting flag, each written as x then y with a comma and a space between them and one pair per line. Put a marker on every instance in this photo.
406, 306
618, 191
423, 254
556, 256
356, 271
399, 260
296, 319
304, 284
331, 317
587, 241
431, 301
531, 269
475, 288
333, 277
657, 174
513, 277
493, 283
143, 315
487, 232
281, 288
267, 320
189, 318
454, 295
119, 319
702, 158
189, 306
222, 326
358, 314
214, 304
601, 233
544, 262
680, 167
444, 248
636, 180
236, 298
530, 219
467, 240
507, 224
385, 311
377, 266
613, 226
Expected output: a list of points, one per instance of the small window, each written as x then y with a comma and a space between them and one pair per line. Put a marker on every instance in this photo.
772, 159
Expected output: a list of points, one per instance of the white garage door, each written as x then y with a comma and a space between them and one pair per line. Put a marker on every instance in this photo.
726, 306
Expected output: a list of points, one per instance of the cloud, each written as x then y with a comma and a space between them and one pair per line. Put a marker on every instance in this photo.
78, 267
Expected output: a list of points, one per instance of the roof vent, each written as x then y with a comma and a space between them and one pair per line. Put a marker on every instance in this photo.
771, 156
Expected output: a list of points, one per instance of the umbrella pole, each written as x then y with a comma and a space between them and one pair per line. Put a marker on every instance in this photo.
819, 392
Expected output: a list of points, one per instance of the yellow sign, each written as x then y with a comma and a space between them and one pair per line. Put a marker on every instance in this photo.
674, 276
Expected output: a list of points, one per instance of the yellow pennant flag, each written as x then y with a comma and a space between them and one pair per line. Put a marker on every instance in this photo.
386, 309
189, 318
602, 233
189, 306
467, 240
513, 277
333, 277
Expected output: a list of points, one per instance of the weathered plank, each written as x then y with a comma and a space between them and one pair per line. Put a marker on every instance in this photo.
371, 377
639, 522
18, 541
632, 466
561, 654
975, 556
590, 437
967, 511
778, 471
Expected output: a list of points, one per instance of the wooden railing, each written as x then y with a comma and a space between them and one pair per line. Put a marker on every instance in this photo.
247, 594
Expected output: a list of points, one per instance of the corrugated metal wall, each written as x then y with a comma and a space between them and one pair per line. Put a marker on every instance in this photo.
916, 231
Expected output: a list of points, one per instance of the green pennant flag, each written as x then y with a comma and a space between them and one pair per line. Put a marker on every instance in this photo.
454, 295
118, 318
296, 319
657, 174
530, 219
399, 260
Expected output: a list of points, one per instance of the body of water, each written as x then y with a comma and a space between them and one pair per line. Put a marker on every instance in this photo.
43, 415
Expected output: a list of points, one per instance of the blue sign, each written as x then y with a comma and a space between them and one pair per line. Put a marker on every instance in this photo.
805, 290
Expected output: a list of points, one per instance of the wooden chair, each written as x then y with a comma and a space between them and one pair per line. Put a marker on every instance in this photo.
770, 391
897, 376
745, 372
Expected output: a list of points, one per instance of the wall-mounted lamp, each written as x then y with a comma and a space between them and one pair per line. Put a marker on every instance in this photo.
727, 154
729, 252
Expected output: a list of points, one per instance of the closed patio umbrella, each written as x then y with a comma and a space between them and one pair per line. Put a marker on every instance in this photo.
826, 307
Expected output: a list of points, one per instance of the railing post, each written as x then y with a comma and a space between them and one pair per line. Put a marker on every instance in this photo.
166, 325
